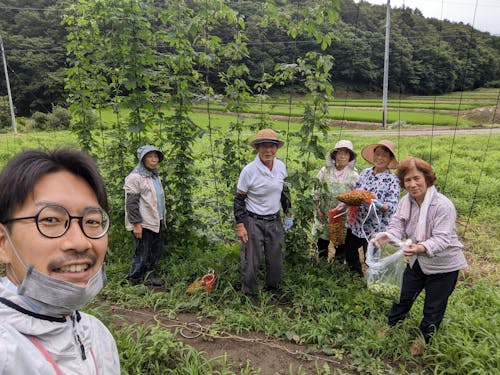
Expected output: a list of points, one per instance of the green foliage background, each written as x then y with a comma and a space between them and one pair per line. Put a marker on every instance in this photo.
135, 72
428, 56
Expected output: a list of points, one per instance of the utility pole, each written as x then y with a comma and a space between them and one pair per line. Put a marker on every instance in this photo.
386, 64
12, 115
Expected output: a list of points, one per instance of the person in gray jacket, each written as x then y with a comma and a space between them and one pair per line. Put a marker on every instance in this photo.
428, 219
53, 239
144, 215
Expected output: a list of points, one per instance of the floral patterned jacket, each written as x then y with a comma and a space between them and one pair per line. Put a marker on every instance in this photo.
386, 188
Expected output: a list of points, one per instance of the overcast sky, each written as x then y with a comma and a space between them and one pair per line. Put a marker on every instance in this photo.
484, 15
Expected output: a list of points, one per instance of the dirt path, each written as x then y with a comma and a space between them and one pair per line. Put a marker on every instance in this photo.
485, 119
371, 129
255, 349
422, 131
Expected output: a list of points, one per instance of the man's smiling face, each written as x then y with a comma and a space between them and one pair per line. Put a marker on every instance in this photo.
73, 257
267, 152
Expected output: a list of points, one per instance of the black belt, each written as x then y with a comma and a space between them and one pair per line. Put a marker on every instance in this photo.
272, 217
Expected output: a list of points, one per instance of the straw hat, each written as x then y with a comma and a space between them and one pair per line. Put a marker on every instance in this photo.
368, 152
266, 136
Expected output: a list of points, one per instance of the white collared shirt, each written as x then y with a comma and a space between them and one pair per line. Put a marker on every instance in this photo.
262, 186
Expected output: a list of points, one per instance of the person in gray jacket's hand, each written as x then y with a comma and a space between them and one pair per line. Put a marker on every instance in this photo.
53, 239
144, 215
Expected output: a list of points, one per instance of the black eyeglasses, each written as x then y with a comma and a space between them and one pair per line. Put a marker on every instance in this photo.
53, 221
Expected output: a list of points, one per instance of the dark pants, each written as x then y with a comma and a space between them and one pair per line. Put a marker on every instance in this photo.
148, 251
352, 244
438, 288
323, 250
264, 237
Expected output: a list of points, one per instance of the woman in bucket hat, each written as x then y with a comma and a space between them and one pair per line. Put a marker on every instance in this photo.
338, 175
261, 189
384, 184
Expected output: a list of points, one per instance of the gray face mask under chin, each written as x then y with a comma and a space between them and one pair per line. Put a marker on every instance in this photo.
57, 296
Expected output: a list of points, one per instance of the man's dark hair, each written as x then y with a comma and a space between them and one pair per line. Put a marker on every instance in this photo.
23, 171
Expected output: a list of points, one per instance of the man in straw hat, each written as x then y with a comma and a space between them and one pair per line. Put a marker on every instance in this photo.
379, 180
260, 191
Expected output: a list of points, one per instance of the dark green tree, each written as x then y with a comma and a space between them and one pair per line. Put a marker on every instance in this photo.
35, 49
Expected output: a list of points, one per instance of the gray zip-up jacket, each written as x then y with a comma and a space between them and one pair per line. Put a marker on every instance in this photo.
18, 355
141, 200
444, 250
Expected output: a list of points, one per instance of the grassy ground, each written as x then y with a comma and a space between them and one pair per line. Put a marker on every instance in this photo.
325, 310
321, 308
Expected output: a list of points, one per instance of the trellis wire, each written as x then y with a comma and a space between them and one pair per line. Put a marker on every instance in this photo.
210, 130
435, 96
474, 196
356, 31
290, 101
398, 148
464, 76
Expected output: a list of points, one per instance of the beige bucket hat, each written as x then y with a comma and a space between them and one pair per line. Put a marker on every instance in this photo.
266, 135
344, 143
368, 152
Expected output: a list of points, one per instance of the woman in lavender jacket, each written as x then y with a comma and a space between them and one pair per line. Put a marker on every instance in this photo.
428, 218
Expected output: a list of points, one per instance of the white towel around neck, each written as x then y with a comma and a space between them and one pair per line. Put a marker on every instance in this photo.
422, 218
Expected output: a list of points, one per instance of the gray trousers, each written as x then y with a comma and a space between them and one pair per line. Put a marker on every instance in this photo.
264, 238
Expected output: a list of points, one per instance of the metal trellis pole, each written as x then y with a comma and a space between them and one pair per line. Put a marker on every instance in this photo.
386, 64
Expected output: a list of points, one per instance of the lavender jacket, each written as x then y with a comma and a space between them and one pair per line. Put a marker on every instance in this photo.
444, 250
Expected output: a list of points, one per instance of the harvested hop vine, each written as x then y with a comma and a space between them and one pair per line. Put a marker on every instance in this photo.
336, 227
355, 197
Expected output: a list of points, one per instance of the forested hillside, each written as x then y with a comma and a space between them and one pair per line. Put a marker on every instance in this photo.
428, 56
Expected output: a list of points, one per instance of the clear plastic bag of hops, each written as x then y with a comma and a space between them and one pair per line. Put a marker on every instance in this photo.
386, 265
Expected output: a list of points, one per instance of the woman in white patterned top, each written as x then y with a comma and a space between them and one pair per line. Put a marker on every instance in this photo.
338, 175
